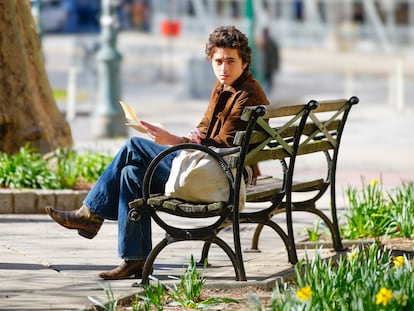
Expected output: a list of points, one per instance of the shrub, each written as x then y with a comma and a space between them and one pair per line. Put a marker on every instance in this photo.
61, 169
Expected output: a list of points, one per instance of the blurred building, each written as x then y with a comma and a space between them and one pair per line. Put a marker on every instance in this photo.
380, 24
67, 15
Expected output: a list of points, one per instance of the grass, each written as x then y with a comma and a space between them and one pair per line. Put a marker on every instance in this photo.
62, 95
59, 94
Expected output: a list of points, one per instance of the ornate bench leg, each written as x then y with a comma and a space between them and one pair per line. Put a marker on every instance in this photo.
237, 262
255, 240
204, 254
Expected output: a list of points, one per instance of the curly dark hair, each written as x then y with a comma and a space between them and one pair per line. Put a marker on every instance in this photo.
229, 37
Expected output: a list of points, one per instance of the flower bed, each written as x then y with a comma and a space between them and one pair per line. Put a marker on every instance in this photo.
29, 180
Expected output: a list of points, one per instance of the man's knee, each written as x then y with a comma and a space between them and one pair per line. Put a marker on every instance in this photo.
132, 173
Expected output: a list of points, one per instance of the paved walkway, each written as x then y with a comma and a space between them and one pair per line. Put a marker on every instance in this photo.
46, 267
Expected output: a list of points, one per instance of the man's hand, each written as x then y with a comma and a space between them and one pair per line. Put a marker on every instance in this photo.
160, 135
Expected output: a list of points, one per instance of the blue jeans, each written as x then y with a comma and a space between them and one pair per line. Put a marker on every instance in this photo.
121, 183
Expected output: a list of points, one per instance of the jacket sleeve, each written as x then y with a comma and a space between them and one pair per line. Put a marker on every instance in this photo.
230, 123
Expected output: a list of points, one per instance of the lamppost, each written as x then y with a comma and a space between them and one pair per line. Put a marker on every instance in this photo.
107, 116
254, 68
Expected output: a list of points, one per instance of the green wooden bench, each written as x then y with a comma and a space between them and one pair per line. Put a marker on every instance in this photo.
274, 136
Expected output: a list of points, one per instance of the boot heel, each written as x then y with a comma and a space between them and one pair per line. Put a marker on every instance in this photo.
86, 234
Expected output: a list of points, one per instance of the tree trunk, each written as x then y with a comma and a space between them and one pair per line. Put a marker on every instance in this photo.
28, 111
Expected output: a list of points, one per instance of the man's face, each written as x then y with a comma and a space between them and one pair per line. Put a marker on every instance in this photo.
227, 65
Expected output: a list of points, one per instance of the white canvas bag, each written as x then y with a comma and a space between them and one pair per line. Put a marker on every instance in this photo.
197, 177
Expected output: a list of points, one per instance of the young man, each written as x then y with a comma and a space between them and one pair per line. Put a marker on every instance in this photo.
230, 55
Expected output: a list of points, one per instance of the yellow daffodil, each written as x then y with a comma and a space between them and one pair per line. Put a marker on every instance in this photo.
304, 294
374, 182
398, 261
384, 296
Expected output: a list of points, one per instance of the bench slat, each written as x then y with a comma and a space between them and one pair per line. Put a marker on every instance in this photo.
267, 187
186, 209
315, 147
266, 155
274, 111
277, 112
330, 105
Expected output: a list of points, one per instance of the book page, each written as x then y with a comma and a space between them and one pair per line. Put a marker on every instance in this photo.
132, 118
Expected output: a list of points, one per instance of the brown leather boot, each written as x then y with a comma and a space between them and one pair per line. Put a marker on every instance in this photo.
125, 270
87, 223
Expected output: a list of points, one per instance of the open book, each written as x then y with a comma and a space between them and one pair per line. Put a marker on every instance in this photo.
132, 118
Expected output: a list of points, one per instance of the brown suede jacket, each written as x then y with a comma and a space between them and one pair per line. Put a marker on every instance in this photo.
222, 118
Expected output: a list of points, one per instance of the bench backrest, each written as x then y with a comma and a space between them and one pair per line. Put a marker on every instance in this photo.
287, 132
262, 141
325, 124
268, 140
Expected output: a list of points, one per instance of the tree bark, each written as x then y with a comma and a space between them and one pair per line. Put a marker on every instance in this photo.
28, 111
